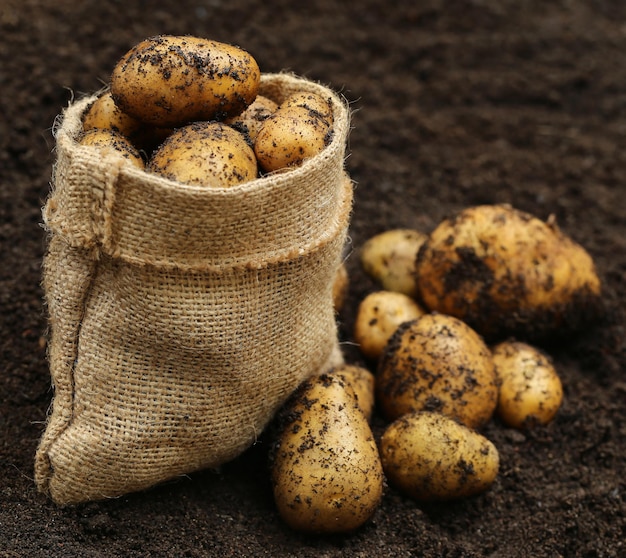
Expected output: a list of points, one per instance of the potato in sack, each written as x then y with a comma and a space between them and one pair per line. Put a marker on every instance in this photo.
171, 80
208, 154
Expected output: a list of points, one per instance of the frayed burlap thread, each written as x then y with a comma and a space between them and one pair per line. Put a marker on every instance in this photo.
181, 317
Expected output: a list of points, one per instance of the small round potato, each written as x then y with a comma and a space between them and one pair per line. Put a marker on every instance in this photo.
378, 316
506, 273
431, 457
437, 363
205, 154
170, 80
389, 258
291, 135
530, 388
110, 140
362, 382
326, 471
250, 121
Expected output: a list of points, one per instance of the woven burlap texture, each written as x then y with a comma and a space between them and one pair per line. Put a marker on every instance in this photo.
181, 317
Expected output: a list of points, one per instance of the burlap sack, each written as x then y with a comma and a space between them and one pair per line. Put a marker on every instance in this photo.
181, 318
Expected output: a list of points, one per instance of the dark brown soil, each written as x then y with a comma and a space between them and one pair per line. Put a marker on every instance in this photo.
455, 103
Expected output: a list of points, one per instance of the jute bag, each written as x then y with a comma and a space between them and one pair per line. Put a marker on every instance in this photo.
181, 318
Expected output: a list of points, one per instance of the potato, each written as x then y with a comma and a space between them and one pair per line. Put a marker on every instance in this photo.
326, 472
314, 103
506, 273
250, 121
437, 363
389, 258
292, 134
362, 382
340, 287
205, 154
378, 316
112, 141
169, 81
530, 388
431, 457
103, 113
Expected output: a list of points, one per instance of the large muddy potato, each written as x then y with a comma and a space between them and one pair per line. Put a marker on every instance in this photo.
437, 363
507, 273
172, 80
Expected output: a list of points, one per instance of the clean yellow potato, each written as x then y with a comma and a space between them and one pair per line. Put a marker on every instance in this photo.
431, 457
112, 141
172, 80
378, 316
437, 363
250, 121
530, 388
326, 471
507, 273
341, 285
205, 154
293, 133
362, 382
389, 258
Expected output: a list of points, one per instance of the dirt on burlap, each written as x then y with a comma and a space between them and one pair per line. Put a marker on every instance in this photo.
454, 104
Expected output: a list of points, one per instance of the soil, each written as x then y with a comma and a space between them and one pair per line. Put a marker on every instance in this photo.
454, 104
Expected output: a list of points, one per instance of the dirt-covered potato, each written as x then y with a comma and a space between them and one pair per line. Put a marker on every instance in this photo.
293, 133
530, 388
205, 154
362, 382
437, 363
431, 457
173, 80
507, 273
314, 103
110, 140
389, 258
326, 471
250, 121
378, 316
